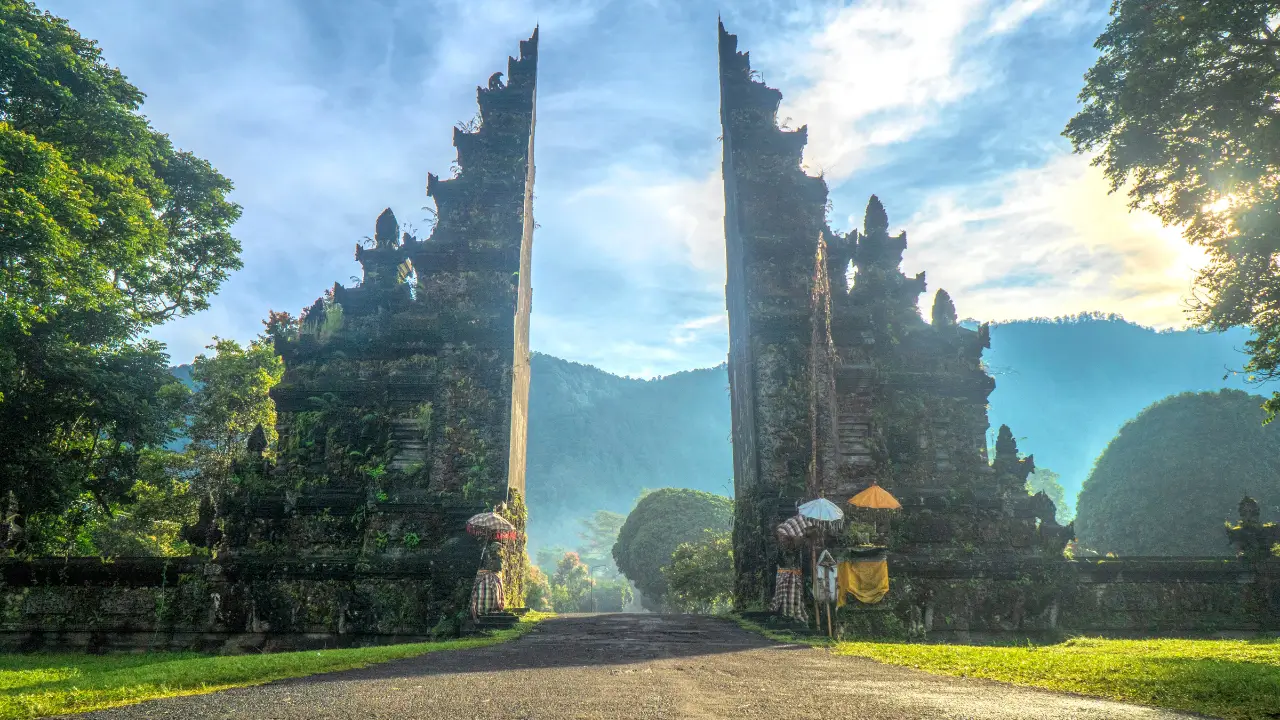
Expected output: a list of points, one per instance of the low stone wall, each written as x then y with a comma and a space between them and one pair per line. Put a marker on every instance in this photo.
232, 605
974, 600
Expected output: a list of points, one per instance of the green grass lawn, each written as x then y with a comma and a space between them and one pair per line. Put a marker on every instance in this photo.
39, 685
1223, 678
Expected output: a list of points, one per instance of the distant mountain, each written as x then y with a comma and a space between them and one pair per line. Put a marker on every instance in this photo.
596, 440
1066, 386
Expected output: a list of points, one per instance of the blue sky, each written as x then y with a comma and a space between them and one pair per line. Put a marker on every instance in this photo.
323, 112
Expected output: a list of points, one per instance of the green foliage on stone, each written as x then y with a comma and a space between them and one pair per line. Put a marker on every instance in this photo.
232, 399
1047, 481
1172, 477
659, 524
1193, 141
700, 576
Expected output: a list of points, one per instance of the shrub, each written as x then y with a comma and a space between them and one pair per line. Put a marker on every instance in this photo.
611, 595
660, 523
537, 591
700, 576
1175, 473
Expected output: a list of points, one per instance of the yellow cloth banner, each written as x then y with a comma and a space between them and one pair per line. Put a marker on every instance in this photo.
866, 580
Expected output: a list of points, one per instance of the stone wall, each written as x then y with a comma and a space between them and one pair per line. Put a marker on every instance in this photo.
975, 600
186, 604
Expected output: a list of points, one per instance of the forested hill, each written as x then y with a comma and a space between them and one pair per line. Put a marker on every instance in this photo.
596, 440
1066, 386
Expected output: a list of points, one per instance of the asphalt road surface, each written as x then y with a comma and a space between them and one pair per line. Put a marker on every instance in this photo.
633, 666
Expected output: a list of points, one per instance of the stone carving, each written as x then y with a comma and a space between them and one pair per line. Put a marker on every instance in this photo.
1252, 539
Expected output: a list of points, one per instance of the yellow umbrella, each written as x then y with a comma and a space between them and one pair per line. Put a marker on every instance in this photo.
875, 497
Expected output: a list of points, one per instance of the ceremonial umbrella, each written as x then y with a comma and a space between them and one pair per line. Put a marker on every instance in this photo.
875, 497
821, 509
825, 514
491, 524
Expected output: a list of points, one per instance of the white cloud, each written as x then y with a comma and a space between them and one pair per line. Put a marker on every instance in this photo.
1050, 241
870, 75
1014, 14
645, 217
881, 71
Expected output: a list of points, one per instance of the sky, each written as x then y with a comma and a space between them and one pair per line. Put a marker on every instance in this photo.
323, 112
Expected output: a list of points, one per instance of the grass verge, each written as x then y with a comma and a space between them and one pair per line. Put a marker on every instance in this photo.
40, 685
1237, 679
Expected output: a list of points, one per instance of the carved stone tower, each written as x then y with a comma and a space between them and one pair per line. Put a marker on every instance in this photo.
836, 385
774, 217
404, 401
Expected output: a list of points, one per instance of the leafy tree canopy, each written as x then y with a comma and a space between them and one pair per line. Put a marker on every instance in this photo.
233, 398
105, 229
1175, 474
660, 523
1183, 107
99, 211
571, 585
700, 576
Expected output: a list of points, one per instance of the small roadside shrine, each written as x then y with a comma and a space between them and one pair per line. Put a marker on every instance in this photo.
861, 572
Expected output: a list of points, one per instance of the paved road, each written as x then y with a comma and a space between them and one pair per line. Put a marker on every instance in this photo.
633, 666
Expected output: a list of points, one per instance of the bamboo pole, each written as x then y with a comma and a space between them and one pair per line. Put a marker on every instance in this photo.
813, 565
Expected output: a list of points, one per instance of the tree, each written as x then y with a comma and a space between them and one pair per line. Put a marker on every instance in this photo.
659, 524
1047, 481
1171, 478
700, 576
233, 399
548, 558
599, 533
105, 230
1183, 107
100, 211
78, 412
571, 585
537, 590
148, 521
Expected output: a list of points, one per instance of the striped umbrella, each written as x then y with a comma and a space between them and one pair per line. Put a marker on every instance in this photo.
491, 524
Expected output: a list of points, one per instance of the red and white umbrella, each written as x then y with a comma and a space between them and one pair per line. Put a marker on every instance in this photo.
491, 525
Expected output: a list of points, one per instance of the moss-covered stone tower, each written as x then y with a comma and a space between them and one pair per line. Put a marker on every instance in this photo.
836, 384
404, 401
